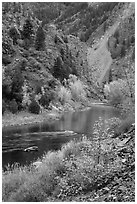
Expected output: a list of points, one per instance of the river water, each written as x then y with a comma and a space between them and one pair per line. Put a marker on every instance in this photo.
51, 136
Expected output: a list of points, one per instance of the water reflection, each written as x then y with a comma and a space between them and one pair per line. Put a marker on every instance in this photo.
50, 136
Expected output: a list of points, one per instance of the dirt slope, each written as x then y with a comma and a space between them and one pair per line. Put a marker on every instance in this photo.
98, 57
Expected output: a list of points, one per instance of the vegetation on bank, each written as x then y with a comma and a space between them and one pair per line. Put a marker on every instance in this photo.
61, 175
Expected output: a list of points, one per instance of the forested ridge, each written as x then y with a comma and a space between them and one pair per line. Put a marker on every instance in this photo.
38, 54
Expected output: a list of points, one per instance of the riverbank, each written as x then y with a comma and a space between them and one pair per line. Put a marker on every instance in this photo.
108, 173
25, 118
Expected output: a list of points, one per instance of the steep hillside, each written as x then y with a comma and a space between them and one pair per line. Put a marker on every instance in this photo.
93, 41
100, 56
35, 55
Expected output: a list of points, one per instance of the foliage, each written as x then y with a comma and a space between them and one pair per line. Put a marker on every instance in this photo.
77, 88
115, 92
47, 11
64, 95
95, 16
17, 83
47, 98
57, 69
120, 93
79, 167
73, 89
13, 106
27, 30
14, 34
62, 69
26, 96
125, 37
34, 107
40, 39
124, 125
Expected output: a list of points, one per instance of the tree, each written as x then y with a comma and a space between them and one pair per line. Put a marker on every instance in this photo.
14, 34
40, 39
27, 30
58, 70
123, 51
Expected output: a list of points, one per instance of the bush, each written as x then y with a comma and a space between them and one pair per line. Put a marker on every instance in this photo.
62, 173
34, 107
64, 95
13, 106
48, 95
14, 34
124, 126
113, 93
77, 88
44, 101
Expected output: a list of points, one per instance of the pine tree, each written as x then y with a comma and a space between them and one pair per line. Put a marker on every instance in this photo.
57, 69
40, 39
27, 29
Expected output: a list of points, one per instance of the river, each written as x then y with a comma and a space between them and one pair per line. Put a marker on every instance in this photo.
50, 136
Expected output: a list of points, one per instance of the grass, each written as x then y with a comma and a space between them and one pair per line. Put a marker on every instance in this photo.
23, 118
73, 170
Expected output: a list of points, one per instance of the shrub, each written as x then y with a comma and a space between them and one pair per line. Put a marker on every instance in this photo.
124, 126
77, 88
113, 92
67, 172
44, 101
48, 95
123, 51
26, 97
64, 95
13, 106
14, 34
34, 107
